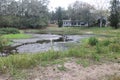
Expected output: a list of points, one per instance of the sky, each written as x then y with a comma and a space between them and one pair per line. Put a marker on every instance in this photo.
65, 3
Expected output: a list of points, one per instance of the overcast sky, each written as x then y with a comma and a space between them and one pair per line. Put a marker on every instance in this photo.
64, 3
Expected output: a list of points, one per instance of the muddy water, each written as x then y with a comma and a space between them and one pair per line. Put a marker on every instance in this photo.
45, 42
42, 43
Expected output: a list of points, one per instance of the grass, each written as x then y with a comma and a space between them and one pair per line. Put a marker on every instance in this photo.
17, 36
84, 63
114, 78
108, 31
106, 49
84, 51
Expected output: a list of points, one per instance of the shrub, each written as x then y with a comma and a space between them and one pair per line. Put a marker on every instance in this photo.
3, 42
106, 42
9, 31
93, 41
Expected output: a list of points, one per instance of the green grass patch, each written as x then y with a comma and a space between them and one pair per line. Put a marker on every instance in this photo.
17, 36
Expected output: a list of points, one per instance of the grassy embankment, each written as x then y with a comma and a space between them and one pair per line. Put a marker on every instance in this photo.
93, 50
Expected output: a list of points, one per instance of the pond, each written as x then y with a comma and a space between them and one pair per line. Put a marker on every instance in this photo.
45, 42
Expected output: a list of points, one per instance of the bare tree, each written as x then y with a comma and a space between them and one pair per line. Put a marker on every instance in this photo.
81, 11
102, 10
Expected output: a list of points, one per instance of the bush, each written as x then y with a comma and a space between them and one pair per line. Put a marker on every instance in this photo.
9, 31
106, 42
3, 42
93, 41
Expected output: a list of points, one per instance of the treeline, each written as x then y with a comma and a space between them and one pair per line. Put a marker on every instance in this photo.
23, 13
94, 16
81, 11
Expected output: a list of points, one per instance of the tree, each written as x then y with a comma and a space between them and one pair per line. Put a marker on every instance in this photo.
59, 16
23, 13
102, 10
81, 11
34, 13
115, 14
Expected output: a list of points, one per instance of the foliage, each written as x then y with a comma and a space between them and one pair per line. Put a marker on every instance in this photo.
59, 16
23, 13
114, 47
96, 57
115, 14
9, 31
93, 41
98, 48
106, 42
76, 11
3, 42
82, 11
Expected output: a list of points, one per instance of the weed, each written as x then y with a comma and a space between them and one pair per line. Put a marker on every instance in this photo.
98, 48
17, 75
93, 41
85, 63
106, 42
96, 57
115, 47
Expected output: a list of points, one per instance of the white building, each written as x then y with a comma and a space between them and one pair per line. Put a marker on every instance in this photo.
68, 23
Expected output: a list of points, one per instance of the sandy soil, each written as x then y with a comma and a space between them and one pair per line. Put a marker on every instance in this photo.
73, 71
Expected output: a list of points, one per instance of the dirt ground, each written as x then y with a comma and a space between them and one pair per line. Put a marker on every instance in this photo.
74, 71
71, 71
